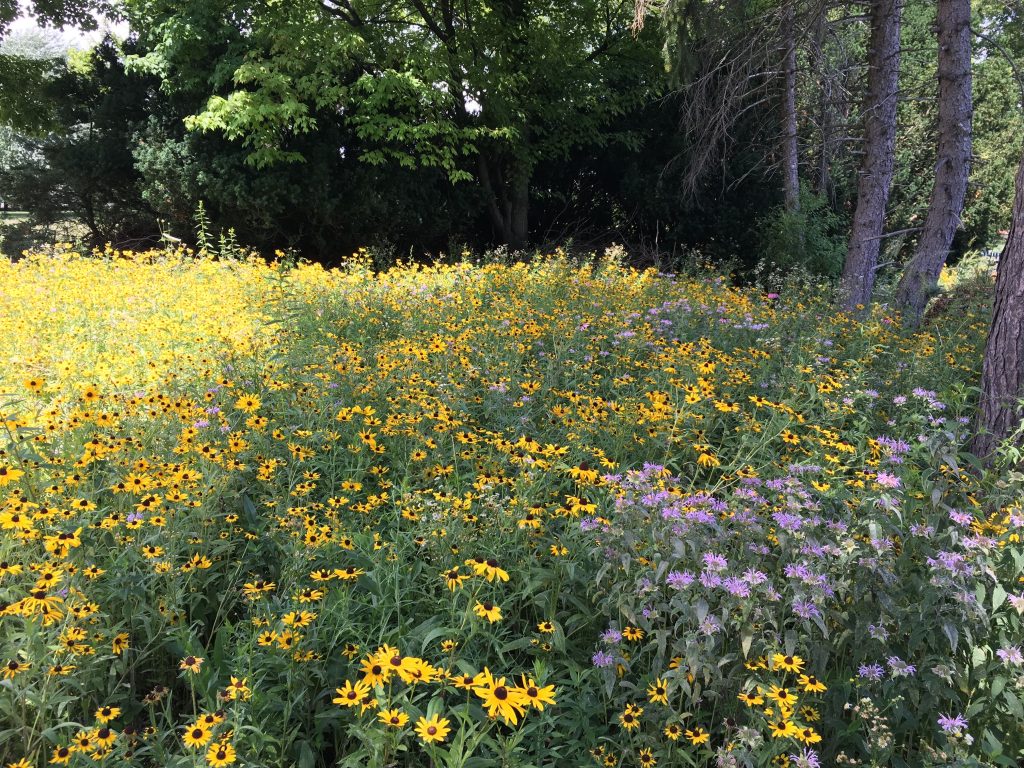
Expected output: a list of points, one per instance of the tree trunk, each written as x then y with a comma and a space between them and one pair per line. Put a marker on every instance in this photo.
921, 274
823, 180
520, 198
507, 201
790, 150
1002, 373
879, 159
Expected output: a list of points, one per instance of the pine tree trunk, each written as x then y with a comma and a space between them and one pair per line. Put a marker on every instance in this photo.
1002, 373
921, 274
790, 151
879, 154
823, 175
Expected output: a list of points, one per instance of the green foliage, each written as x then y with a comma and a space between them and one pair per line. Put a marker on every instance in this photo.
811, 239
544, 78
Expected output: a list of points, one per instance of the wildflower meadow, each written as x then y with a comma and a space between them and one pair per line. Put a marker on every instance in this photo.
558, 512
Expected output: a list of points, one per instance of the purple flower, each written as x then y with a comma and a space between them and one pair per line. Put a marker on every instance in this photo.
710, 580
951, 724
805, 609
611, 636
754, 577
736, 586
713, 562
960, 518
878, 632
888, 480
870, 671
1011, 655
899, 668
679, 579
602, 659
806, 758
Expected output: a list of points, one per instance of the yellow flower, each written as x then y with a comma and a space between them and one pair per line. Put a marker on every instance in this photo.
783, 728
237, 689
811, 684
350, 695
673, 731
196, 735
630, 717
220, 754
782, 696
499, 699
434, 729
488, 610
535, 695
657, 692
248, 403
374, 671
633, 633
191, 664
697, 736
120, 643
61, 755
394, 718
14, 667
808, 735
106, 714
788, 663
9, 474
751, 699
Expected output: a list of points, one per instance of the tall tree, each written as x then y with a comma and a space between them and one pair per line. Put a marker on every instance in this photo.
485, 91
879, 159
1002, 373
921, 274
790, 146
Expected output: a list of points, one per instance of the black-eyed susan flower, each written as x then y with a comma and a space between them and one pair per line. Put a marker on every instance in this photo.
633, 634
61, 755
630, 717
697, 735
537, 696
811, 684
393, 718
787, 663
501, 700
431, 730
488, 610
782, 728
13, 668
657, 692
107, 713
350, 694
220, 754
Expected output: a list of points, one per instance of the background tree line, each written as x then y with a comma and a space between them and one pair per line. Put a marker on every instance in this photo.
737, 128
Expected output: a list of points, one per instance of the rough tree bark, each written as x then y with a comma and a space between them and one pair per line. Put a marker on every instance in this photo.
921, 274
879, 154
790, 150
823, 175
1002, 373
